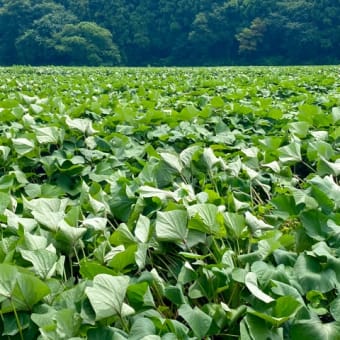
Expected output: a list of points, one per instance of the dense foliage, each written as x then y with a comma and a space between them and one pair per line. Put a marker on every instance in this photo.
169, 203
164, 32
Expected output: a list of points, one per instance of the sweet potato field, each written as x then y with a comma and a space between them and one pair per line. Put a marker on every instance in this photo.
170, 203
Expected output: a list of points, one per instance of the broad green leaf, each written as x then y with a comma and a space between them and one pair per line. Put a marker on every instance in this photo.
123, 258
172, 225
251, 284
46, 135
35, 242
23, 145
299, 129
173, 161
107, 295
312, 276
308, 112
146, 191
284, 289
198, 321
142, 230
253, 328
217, 102
122, 235
69, 235
4, 152
44, 261
142, 328
26, 291
236, 223
319, 150
204, 217
84, 125
11, 328
5, 200
209, 158
45, 205
325, 167
97, 223
102, 333
175, 295
314, 223
139, 295
329, 187
90, 269
290, 154
315, 329
51, 220
68, 323
335, 309
336, 114
255, 224
8, 277
187, 154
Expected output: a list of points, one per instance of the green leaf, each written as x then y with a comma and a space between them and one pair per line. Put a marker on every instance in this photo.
5, 200
314, 223
335, 308
290, 154
203, 217
139, 295
175, 295
312, 276
209, 158
299, 129
308, 112
236, 223
172, 225
336, 114
11, 325
28, 291
141, 328
107, 295
253, 328
102, 333
68, 323
315, 329
217, 102
173, 161
325, 167
142, 230
91, 269
328, 186
84, 125
44, 261
251, 284
198, 321
22, 145
46, 135
50, 220
123, 258
255, 224
8, 277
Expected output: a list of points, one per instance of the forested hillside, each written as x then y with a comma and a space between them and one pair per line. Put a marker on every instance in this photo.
169, 32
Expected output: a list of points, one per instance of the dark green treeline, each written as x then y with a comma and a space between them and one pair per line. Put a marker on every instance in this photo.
169, 32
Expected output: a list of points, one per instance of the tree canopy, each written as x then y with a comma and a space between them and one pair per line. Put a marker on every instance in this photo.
169, 32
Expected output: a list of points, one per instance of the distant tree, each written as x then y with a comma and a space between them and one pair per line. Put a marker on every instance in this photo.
175, 32
251, 37
213, 31
86, 43
15, 18
37, 45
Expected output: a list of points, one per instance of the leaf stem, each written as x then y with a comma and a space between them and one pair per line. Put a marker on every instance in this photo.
17, 320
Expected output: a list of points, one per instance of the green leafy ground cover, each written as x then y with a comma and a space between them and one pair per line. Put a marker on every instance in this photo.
170, 203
